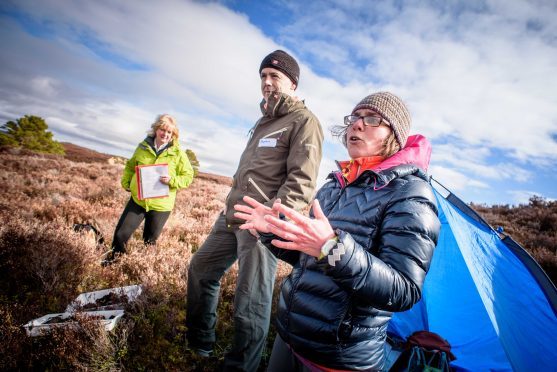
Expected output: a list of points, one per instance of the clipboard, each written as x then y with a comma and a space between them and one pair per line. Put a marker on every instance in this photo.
148, 184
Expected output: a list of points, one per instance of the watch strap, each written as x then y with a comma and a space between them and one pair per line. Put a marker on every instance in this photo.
327, 246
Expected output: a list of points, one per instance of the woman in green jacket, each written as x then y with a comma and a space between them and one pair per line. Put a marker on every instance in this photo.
159, 147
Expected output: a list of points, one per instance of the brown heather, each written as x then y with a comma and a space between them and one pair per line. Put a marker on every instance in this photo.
533, 225
44, 264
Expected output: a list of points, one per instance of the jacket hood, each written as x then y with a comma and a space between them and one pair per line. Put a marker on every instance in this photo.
149, 140
412, 159
383, 177
280, 104
417, 151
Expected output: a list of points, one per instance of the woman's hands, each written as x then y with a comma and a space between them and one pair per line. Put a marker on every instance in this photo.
254, 214
301, 233
165, 179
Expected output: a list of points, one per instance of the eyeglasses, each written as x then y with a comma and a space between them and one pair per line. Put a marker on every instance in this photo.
371, 121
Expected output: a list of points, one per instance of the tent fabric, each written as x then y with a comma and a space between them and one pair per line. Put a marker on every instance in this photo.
490, 300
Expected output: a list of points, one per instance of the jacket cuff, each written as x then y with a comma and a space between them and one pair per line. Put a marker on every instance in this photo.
338, 256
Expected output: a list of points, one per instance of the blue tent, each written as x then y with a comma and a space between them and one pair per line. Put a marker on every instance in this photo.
486, 296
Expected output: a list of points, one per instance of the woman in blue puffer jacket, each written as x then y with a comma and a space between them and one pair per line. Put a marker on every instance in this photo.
364, 252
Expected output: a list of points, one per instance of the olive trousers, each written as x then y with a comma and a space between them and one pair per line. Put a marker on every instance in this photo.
252, 299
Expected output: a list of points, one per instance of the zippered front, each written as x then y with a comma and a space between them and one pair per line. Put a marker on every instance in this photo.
250, 180
180, 171
281, 158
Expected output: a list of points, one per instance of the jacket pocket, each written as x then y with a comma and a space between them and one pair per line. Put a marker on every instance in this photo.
273, 146
250, 180
279, 132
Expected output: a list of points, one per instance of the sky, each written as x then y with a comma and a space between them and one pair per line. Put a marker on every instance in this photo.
479, 77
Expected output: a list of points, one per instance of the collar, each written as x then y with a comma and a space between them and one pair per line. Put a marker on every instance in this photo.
279, 104
412, 158
150, 142
351, 169
159, 149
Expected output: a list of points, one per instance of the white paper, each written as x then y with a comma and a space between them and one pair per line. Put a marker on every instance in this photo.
151, 186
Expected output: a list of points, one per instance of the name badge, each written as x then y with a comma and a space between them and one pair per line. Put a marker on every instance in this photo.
268, 142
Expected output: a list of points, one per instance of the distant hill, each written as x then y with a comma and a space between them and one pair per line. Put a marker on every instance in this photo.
82, 154
85, 155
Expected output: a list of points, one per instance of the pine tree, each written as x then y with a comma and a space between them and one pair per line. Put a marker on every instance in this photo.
30, 132
193, 161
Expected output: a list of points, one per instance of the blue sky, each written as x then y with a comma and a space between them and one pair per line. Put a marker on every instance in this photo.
479, 77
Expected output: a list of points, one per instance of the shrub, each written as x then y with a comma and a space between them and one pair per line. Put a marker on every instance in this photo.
30, 132
193, 161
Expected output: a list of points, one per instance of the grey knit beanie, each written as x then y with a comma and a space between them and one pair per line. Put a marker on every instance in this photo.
392, 109
283, 62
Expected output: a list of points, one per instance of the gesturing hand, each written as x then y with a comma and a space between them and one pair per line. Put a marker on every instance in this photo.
254, 214
302, 233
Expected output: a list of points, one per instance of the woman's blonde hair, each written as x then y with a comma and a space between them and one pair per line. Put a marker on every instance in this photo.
167, 122
389, 148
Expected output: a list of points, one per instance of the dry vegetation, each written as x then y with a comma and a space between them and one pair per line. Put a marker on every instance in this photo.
44, 264
533, 225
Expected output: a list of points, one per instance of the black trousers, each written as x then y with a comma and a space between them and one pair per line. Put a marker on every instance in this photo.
130, 220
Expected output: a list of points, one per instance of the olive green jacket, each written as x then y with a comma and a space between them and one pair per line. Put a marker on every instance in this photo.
179, 169
281, 158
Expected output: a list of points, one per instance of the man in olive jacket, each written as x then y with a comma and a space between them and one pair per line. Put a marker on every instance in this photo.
280, 161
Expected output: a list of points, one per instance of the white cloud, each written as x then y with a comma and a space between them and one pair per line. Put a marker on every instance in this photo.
454, 180
481, 73
478, 161
479, 77
218, 147
205, 49
43, 85
328, 165
522, 196
200, 64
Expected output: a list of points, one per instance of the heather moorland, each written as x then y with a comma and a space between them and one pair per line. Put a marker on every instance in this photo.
44, 263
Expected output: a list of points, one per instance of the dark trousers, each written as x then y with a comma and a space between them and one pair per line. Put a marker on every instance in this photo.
130, 220
253, 297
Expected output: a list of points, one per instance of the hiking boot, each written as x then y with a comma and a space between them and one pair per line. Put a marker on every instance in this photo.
201, 349
204, 353
107, 262
110, 258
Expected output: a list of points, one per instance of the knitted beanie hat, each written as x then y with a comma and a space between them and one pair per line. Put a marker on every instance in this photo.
283, 62
392, 109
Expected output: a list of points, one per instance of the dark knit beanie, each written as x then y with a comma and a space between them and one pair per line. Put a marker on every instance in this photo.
283, 62
392, 109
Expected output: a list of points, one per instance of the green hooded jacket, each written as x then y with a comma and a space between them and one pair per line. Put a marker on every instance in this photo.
179, 169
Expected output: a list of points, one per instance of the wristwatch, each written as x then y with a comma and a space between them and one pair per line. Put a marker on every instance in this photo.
326, 248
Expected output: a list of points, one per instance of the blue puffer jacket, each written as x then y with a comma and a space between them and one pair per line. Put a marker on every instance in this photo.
387, 225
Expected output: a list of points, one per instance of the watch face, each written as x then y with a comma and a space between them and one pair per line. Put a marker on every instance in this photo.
329, 244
